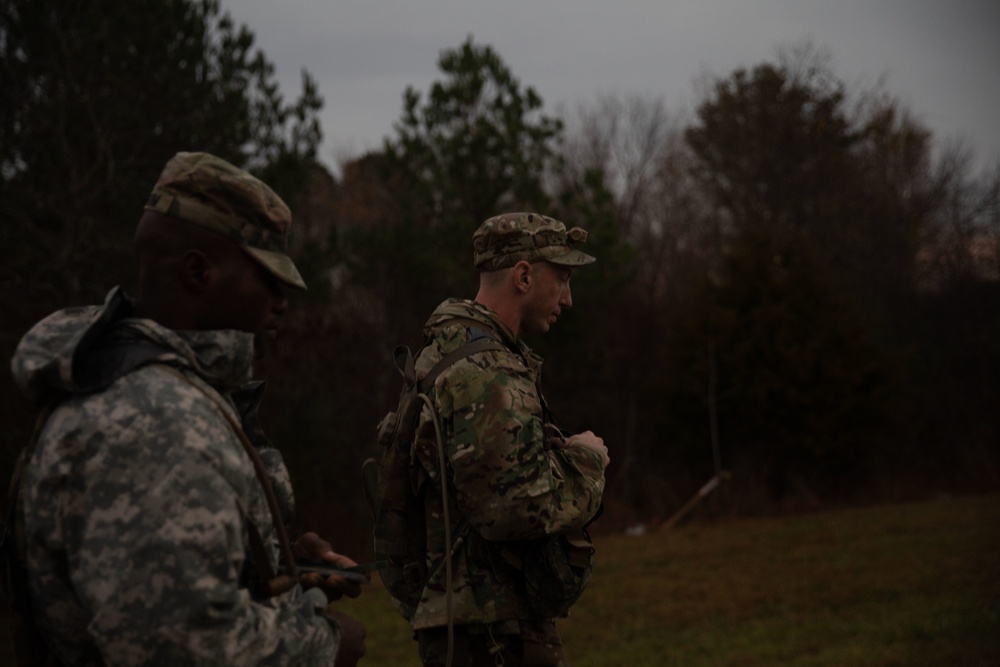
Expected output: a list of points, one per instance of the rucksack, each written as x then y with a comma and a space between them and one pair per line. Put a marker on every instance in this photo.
554, 569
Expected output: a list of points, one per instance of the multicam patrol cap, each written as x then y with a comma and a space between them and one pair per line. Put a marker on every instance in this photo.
504, 240
209, 192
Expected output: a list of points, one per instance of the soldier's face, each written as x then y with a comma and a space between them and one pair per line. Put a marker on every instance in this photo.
248, 297
548, 294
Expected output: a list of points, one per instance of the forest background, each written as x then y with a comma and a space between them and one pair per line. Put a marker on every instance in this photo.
797, 287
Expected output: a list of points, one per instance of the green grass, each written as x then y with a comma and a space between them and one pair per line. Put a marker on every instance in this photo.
906, 585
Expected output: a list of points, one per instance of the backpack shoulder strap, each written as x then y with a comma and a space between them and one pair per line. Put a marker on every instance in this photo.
482, 340
467, 350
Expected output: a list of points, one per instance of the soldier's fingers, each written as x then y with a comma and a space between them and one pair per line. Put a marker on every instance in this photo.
311, 545
340, 560
336, 586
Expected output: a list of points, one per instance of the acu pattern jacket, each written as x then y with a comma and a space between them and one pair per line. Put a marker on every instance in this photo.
138, 495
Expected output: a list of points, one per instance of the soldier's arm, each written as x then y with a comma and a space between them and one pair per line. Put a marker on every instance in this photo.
159, 556
512, 480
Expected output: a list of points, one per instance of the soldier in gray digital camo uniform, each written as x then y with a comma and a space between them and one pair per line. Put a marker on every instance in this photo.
512, 475
139, 497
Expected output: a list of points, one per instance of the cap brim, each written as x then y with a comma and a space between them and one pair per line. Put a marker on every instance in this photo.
572, 258
279, 264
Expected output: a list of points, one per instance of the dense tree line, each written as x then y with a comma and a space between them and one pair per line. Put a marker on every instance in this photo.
792, 285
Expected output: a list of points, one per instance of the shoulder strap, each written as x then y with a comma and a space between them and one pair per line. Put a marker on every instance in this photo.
482, 342
467, 350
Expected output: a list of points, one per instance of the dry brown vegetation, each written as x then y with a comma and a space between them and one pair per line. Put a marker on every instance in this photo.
914, 585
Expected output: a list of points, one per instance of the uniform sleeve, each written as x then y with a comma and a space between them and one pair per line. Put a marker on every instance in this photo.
510, 482
153, 534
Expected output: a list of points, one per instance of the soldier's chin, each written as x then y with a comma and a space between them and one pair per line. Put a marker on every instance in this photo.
264, 342
538, 328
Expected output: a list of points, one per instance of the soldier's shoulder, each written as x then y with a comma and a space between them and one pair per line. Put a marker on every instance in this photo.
149, 402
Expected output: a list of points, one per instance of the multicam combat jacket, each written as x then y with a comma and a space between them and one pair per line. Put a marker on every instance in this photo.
137, 499
506, 481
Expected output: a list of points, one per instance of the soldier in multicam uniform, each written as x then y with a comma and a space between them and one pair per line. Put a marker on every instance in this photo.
512, 475
140, 499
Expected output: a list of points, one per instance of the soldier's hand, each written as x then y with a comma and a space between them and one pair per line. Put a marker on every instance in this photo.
588, 440
352, 639
311, 547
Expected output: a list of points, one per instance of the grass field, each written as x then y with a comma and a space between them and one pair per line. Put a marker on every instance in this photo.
904, 585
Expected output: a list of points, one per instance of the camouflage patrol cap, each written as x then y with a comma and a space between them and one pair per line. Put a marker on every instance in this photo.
504, 240
209, 192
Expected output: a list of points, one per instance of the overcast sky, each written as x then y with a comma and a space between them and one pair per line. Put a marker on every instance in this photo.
940, 58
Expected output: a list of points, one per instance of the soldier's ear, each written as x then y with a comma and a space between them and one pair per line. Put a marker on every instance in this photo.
196, 271
521, 275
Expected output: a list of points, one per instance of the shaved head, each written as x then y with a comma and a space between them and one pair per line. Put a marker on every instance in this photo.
494, 279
